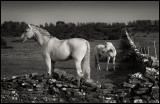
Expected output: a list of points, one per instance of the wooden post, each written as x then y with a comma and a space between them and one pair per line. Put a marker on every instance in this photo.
155, 50
144, 50
148, 50
141, 50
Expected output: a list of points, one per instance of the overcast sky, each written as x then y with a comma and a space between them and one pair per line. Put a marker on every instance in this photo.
40, 12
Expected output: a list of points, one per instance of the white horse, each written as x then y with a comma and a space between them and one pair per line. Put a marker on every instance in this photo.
54, 50
104, 53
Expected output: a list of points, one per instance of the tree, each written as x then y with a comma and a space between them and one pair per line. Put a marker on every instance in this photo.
46, 26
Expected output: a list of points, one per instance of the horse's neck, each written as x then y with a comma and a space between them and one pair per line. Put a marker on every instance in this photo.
113, 49
41, 39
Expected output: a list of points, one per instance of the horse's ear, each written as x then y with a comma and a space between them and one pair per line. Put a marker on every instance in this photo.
125, 29
29, 25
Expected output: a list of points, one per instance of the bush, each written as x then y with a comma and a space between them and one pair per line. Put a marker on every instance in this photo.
3, 43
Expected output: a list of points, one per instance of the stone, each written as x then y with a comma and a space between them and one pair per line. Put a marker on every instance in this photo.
153, 101
155, 96
134, 81
146, 84
129, 85
139, 92
155, 89
108, 86
146, 97
139, 101
33, 74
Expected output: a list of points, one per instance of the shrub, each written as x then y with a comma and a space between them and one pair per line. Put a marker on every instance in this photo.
3, 43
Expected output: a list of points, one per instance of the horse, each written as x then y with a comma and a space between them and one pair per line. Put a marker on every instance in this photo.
103, 52
54, 50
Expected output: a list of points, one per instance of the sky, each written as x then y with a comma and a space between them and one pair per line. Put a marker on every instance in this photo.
41, 12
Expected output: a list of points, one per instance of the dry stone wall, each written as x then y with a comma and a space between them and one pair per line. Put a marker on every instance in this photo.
144, 86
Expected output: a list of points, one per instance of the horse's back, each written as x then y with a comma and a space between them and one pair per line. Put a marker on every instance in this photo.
67, 43
98, 49
58, 49
100, 46
78, 47
67, 49
76, 41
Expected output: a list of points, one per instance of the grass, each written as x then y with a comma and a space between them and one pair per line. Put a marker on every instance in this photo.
25, 58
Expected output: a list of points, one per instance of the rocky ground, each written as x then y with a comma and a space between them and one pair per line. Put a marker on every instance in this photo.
62, 88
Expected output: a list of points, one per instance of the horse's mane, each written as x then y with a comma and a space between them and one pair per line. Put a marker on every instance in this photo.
42, 31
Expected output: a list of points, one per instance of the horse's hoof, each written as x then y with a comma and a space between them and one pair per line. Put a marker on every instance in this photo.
89, 80
48, 74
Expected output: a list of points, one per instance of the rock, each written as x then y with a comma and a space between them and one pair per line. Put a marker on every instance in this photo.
46, 76
30, 90
33, 74
155, 96
109, 100
151, 71
129, 85
137, 75
146, 84
108, 86
93, 84
153, 101
57, 73
107, 91
38, 77
139, 92
51, 81
134, 81
34, 82
146, 97
139, 101
155, 89
127, 100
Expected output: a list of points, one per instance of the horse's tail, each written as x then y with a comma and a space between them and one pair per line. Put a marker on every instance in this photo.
86, 61
95, 57
95, 61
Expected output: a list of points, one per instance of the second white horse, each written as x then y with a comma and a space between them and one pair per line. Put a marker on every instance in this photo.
105, 53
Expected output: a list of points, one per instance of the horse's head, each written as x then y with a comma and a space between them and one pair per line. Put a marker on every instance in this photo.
28, 34
107, 47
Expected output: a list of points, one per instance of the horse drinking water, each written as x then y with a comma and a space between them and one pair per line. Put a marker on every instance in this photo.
54, 50
103, 52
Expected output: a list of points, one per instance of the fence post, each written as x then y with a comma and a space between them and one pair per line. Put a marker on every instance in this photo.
155, 50
148, 50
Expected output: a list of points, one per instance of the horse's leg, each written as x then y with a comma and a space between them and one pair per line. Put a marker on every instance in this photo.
79, 70
53, 65
86, 68
114, 63
95, 60
48, 63
108, 59
98, 66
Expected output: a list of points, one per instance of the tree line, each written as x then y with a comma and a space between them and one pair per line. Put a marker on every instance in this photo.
89, 31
